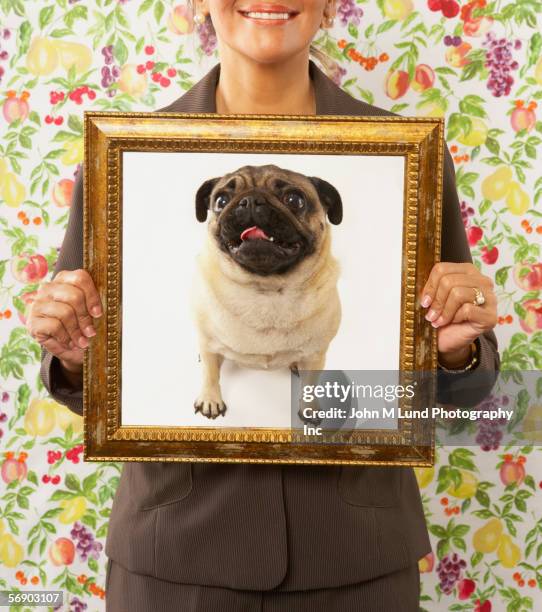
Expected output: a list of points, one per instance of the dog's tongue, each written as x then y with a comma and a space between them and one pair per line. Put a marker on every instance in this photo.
253, 233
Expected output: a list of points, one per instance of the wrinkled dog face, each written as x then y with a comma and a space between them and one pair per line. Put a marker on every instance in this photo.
266, 218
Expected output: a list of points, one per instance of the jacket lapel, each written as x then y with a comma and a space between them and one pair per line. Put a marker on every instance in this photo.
330, 98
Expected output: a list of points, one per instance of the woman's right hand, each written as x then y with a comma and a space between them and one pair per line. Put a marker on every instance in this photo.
61, 316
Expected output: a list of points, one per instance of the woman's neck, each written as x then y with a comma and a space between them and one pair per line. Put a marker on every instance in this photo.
277, 89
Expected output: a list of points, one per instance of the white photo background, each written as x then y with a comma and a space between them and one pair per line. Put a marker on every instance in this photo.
161, 374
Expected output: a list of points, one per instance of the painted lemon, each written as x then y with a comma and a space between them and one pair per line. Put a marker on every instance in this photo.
40, 418
424, 475
496, 185
74, 152
430, 109
487, 538
517, 199
73, 509
65, 417
467, 488
397, 9
477, 134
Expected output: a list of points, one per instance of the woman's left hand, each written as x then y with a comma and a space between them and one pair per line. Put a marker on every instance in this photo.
450, 291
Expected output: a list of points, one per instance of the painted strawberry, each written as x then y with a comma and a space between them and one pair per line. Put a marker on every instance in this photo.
490, 256
482, 607
474, 234
465, 588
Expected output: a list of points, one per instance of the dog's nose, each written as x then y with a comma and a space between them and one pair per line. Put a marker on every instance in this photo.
253, 201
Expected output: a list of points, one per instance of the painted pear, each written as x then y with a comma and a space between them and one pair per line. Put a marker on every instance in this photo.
11, 552
74, 54
496, 185
12, 191
42, 57
487, 538
538, 71
532, 424
509, 553
517, 199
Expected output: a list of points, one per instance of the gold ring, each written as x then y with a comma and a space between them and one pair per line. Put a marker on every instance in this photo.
479, 299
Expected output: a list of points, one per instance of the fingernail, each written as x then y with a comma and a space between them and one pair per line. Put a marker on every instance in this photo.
426, 301
83, 342
96, 311
90, 331
439, 321
435, 324
432, 314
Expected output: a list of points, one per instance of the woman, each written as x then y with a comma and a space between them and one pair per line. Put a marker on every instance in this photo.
202, 536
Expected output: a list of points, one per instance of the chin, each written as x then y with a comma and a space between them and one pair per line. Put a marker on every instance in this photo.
272, 48
265, 257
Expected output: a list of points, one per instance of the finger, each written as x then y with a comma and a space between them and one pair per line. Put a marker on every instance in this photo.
67, 316
449, 282
484, 317
75, 297
457, 296
54, 347
82, 279
43, 329
441, 268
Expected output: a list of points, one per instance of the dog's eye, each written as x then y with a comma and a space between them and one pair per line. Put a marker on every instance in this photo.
294, 200
221, 201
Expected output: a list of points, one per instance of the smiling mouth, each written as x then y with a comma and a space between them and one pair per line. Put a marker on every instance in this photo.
255, 236
269, 15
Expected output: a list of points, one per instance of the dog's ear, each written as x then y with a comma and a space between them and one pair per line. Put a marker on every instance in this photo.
330, 198
202, 198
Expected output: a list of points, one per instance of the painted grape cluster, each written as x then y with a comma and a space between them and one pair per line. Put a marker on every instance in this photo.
477, 63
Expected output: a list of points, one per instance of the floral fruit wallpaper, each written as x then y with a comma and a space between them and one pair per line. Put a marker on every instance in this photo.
476, 63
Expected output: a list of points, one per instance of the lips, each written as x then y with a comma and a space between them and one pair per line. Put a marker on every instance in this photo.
267, 8
268, 12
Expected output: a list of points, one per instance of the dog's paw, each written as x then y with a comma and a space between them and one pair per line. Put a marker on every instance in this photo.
210, 408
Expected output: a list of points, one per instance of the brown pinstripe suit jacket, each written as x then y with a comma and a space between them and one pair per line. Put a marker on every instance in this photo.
261, 527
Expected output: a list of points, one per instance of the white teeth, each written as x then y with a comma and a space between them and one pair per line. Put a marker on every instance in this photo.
268, 15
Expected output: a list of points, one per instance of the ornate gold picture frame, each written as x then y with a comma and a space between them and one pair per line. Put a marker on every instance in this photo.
142, 175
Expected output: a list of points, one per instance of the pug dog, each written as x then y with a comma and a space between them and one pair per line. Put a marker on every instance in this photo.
265, 292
